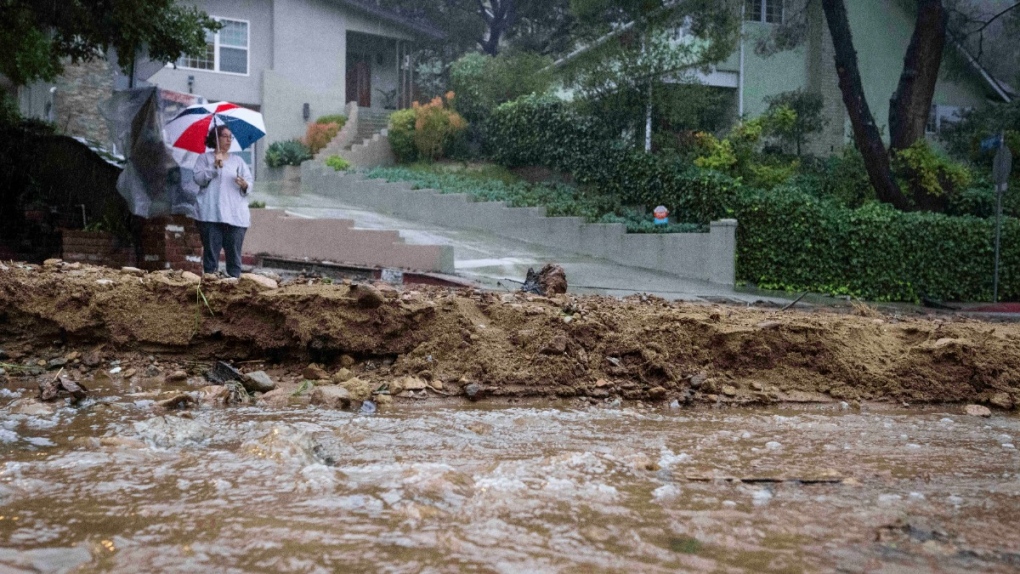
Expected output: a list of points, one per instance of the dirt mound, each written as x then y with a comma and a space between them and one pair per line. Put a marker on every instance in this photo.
509, 344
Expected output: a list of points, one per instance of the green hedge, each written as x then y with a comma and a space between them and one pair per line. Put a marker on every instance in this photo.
792, 237
788, 240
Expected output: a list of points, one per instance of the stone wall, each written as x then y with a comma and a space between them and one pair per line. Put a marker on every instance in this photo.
76, 101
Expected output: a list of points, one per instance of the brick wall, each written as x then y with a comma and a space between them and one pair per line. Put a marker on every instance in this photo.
167, 243
96, 248
171, 243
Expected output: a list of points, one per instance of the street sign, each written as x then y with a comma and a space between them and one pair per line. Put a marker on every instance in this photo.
1001, 166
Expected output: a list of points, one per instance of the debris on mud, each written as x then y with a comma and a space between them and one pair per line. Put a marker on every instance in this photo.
550, 280
61, 387
114, 329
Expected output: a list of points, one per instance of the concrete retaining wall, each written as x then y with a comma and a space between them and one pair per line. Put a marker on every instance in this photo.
702, 256
276, 234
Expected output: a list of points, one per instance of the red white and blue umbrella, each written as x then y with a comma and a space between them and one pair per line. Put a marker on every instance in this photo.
190, 128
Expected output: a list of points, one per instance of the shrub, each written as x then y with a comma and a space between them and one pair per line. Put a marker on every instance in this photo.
338, 163
807, 117
929, 171
257, 205
789, 240
483, 82
401, 135
546, 131
436, 125
289, 152
318, 136
338, 119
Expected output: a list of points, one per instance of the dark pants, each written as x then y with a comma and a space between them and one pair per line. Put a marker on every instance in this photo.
217, 236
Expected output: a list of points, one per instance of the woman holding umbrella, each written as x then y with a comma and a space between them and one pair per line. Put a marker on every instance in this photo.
224, 181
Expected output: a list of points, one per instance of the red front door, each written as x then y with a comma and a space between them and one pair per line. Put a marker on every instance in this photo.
359, 80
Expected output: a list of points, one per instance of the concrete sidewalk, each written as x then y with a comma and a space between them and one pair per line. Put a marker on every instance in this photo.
491, 261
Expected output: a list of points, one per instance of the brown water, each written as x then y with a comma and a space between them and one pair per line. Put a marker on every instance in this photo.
110, 486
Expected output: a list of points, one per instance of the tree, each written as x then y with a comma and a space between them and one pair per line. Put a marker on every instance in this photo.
910, 103
629, 48
807, 106
38, 36
532, 25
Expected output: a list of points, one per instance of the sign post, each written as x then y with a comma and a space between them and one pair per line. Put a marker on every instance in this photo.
1001, 167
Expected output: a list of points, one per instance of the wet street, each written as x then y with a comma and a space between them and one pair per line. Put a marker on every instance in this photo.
436, 487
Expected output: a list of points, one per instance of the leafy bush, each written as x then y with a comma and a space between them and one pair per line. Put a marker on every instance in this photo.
257, 205
338, 163
338, 119
318, 136
936, 175
289, 152
789, 240
546, 131
401, 135
436, 125
806, 108
483, 82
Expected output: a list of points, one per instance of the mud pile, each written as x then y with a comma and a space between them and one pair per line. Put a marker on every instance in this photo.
502, 344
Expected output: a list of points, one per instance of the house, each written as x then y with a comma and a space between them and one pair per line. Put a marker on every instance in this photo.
881, 31
292, 60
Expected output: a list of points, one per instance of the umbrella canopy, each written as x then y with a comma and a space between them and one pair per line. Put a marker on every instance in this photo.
189, 129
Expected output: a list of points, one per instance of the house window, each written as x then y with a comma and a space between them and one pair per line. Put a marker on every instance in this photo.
225, 51
932, 125
769, 11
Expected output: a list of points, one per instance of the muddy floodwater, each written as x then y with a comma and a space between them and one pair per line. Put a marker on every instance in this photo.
109, 486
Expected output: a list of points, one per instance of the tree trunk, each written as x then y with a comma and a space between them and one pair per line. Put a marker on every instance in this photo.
499, 16
911, 102
866, 134
910, 105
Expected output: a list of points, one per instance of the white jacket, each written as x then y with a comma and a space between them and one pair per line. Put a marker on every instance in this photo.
220, 199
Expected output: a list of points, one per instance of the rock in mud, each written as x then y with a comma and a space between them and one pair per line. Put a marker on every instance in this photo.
260, 281
331, 397
92, 358
1001, 400
552, 279
258, 382
412, 384
191, 277
223, 373
173, 431
557, 346
181, 401
31, 407
177, 377
314, 372
474, 391
977, 411
275, 398
340, 376
60, 388
366, 296
214, 395
656, 393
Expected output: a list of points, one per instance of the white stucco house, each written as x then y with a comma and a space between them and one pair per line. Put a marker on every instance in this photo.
296, 60
292, 60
